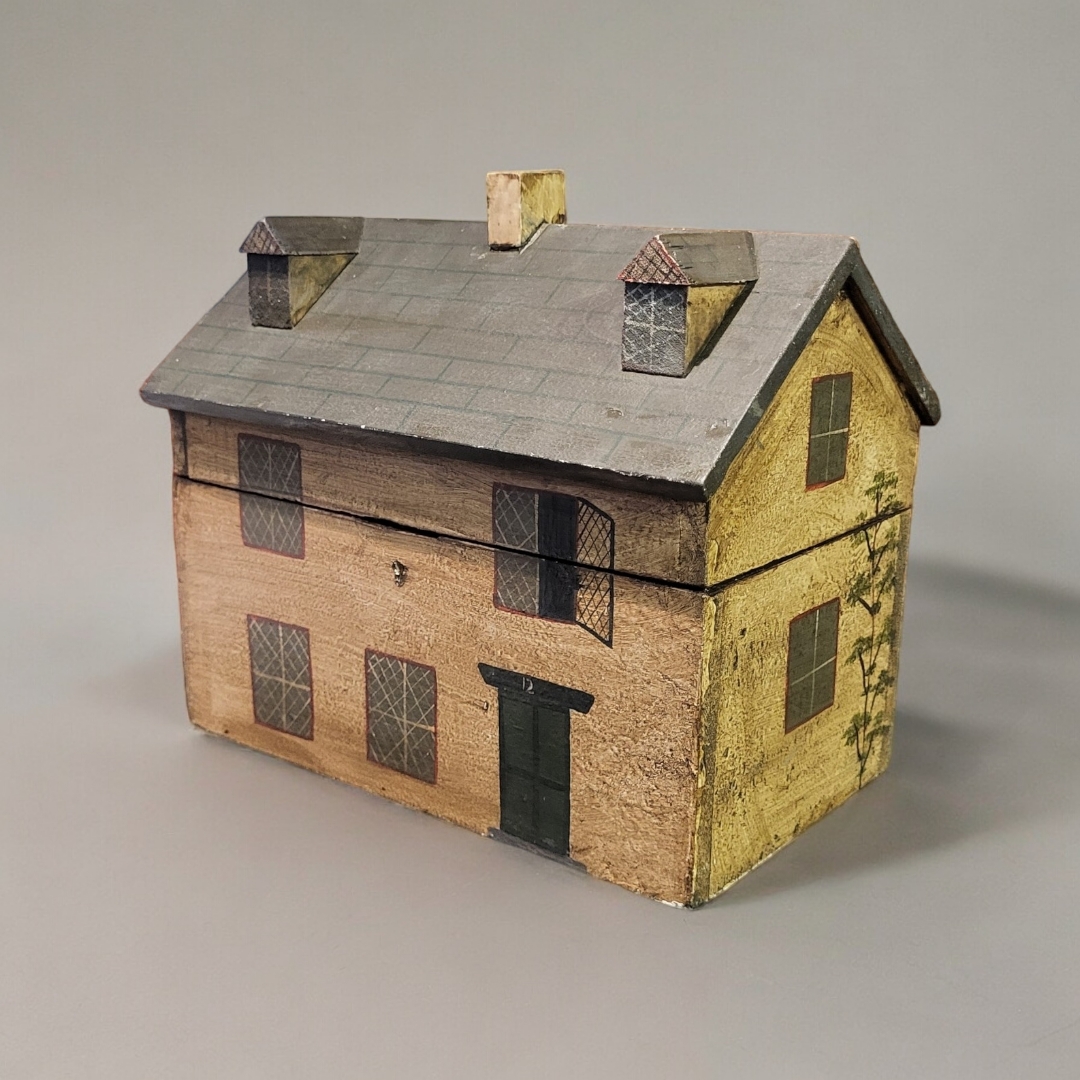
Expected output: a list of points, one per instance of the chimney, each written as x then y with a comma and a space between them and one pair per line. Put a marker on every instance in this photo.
291, 263
518, 203
681, 287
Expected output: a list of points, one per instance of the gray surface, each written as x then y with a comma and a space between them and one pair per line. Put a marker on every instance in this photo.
517, 355
175, 907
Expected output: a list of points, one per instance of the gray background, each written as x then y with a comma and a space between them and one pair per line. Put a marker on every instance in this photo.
174, 906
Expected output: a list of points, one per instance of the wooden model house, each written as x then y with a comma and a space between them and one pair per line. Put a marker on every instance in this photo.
590, 537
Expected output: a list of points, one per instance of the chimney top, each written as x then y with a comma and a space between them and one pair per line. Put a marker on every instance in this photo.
518, 203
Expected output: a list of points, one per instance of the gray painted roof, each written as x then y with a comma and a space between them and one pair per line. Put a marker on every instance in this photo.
515, 355
304, 236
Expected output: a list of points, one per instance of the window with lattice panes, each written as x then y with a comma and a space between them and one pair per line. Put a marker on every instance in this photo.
281, 676
830, 419
811, 667
271, 516
401, 715
554, 556
654, 328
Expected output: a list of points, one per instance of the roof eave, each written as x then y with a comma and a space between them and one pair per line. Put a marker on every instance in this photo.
679, 491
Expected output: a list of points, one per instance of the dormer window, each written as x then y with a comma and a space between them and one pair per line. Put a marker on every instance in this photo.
680, 290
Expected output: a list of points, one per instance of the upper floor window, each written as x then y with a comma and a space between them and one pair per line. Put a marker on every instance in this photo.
271, 468
401, 698
830, 416
563, 552
281, 676
811, 668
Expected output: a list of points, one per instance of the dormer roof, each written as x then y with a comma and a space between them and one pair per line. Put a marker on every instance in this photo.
702, 257
304, 236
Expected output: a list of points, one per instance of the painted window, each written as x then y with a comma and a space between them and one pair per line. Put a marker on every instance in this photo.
271, 516
654, 328
401, 707
281, 676
552, 535
811, 667
830, 416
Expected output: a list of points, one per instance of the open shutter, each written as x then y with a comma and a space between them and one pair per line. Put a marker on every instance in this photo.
595, 601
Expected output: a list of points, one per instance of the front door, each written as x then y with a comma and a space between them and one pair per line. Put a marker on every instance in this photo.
534, 757
534, 772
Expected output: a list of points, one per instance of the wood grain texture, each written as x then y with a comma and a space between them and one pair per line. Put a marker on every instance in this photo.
763, 510
309, 277
761, 786
633, 755
178, 435
518, 203
656, 538
706, 307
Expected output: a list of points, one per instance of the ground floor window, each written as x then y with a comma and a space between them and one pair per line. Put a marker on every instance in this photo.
401, 707
281, 676
811, 668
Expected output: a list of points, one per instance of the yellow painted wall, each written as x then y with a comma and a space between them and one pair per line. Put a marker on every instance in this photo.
762, 511
633, 755
762, 786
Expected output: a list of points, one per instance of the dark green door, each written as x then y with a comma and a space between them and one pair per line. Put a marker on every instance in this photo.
534, 771
534, 756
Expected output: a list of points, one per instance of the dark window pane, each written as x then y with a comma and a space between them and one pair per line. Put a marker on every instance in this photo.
841, 402
514, 518
824, 683
836, 455
401, 705
558, 525
811, 668
558, 583
272, 468
830, 414
517, 582
281, 676
269, 466
654, 328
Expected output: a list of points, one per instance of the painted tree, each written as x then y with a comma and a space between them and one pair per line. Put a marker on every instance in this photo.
872, 593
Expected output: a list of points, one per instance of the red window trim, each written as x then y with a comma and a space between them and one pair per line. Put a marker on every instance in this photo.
836, 659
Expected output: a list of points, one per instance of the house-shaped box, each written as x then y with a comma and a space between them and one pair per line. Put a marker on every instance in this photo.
588, 537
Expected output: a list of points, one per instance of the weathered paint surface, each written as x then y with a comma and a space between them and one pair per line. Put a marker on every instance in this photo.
706, 307
309, 276
633, 756
763, 510
760, 786
518, 203
657, 538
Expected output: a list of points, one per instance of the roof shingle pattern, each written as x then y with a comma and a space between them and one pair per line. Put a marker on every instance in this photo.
430, 335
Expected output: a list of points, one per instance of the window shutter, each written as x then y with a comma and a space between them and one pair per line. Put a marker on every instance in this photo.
595, 601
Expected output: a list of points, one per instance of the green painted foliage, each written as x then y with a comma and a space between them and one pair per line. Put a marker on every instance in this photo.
871, 592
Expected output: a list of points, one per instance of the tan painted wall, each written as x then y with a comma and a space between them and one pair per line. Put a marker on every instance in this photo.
658, 538
762, 786
634, 755
762, 511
